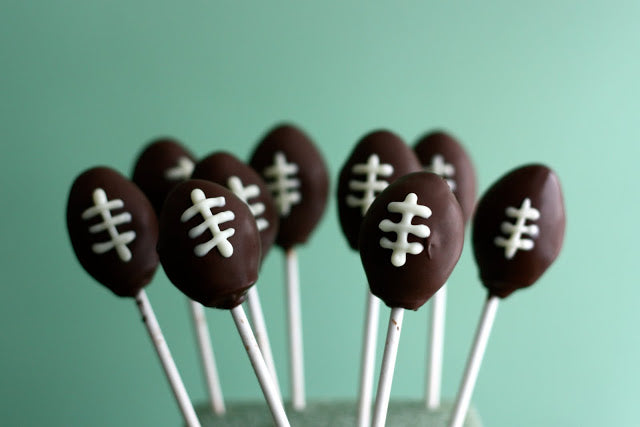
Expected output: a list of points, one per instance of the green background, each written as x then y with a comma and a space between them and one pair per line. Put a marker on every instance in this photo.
87, 83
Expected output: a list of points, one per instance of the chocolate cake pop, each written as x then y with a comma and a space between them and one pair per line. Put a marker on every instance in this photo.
226, 170
162, 164
297, 177
210, 249
518, 229
410, 240
113, 230
209, 244
443, 155
378, 159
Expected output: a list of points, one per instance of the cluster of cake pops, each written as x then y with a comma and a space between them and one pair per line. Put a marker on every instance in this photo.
210, 223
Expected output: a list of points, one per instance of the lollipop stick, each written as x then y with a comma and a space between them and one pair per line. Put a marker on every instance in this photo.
388, 366
207, 357
150, 321
298, 400
368, 359
473, 363
436, 348
259, 325
259, 366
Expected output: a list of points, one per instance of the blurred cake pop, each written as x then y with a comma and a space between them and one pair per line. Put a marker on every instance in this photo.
443, 155
162, 164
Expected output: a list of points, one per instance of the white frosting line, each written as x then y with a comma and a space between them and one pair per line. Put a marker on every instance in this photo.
202, 206
118, 241
181, 171
234, 183
283, 187
519, 229
371, 186
442, 168
401, 247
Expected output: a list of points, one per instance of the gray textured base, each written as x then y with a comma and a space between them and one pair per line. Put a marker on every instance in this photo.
331, 414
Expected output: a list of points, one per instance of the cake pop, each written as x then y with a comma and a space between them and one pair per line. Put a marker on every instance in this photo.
443, 155
297, 177
379, 158
226, 170
113, 231
410, 241
518, 229
162, 164
210, 249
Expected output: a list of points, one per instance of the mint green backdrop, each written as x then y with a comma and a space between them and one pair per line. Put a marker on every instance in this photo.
86, 83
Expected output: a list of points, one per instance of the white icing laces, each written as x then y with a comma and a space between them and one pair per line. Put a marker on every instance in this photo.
442, 168
401, 247
202, 206
517, 230
371, 186
283, 188
245, 193
119, 241
181, 171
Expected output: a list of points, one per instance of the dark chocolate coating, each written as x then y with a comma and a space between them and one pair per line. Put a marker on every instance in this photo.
298, 223
390, 150
499, 274
464, 175
124, 277
152, 169
412, 284
211, 279
220, 167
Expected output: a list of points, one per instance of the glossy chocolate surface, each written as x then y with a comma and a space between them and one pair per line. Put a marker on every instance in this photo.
412, 283
378, 159
212, 265
441, 153
113, 230
297, 177
162, 164
226, 170
513, 250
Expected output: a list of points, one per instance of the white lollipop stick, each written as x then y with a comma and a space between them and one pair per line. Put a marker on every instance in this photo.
259, 366
436, 348
473, 363
368, 359
207, 358
260, 327
388, 366
298, 401
150, 321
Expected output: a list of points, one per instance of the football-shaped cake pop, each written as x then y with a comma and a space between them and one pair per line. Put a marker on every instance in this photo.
297, 177
162, 164
518, 229
113, 230
378, 159
443, 155
411, 239
209, 244
226, 170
